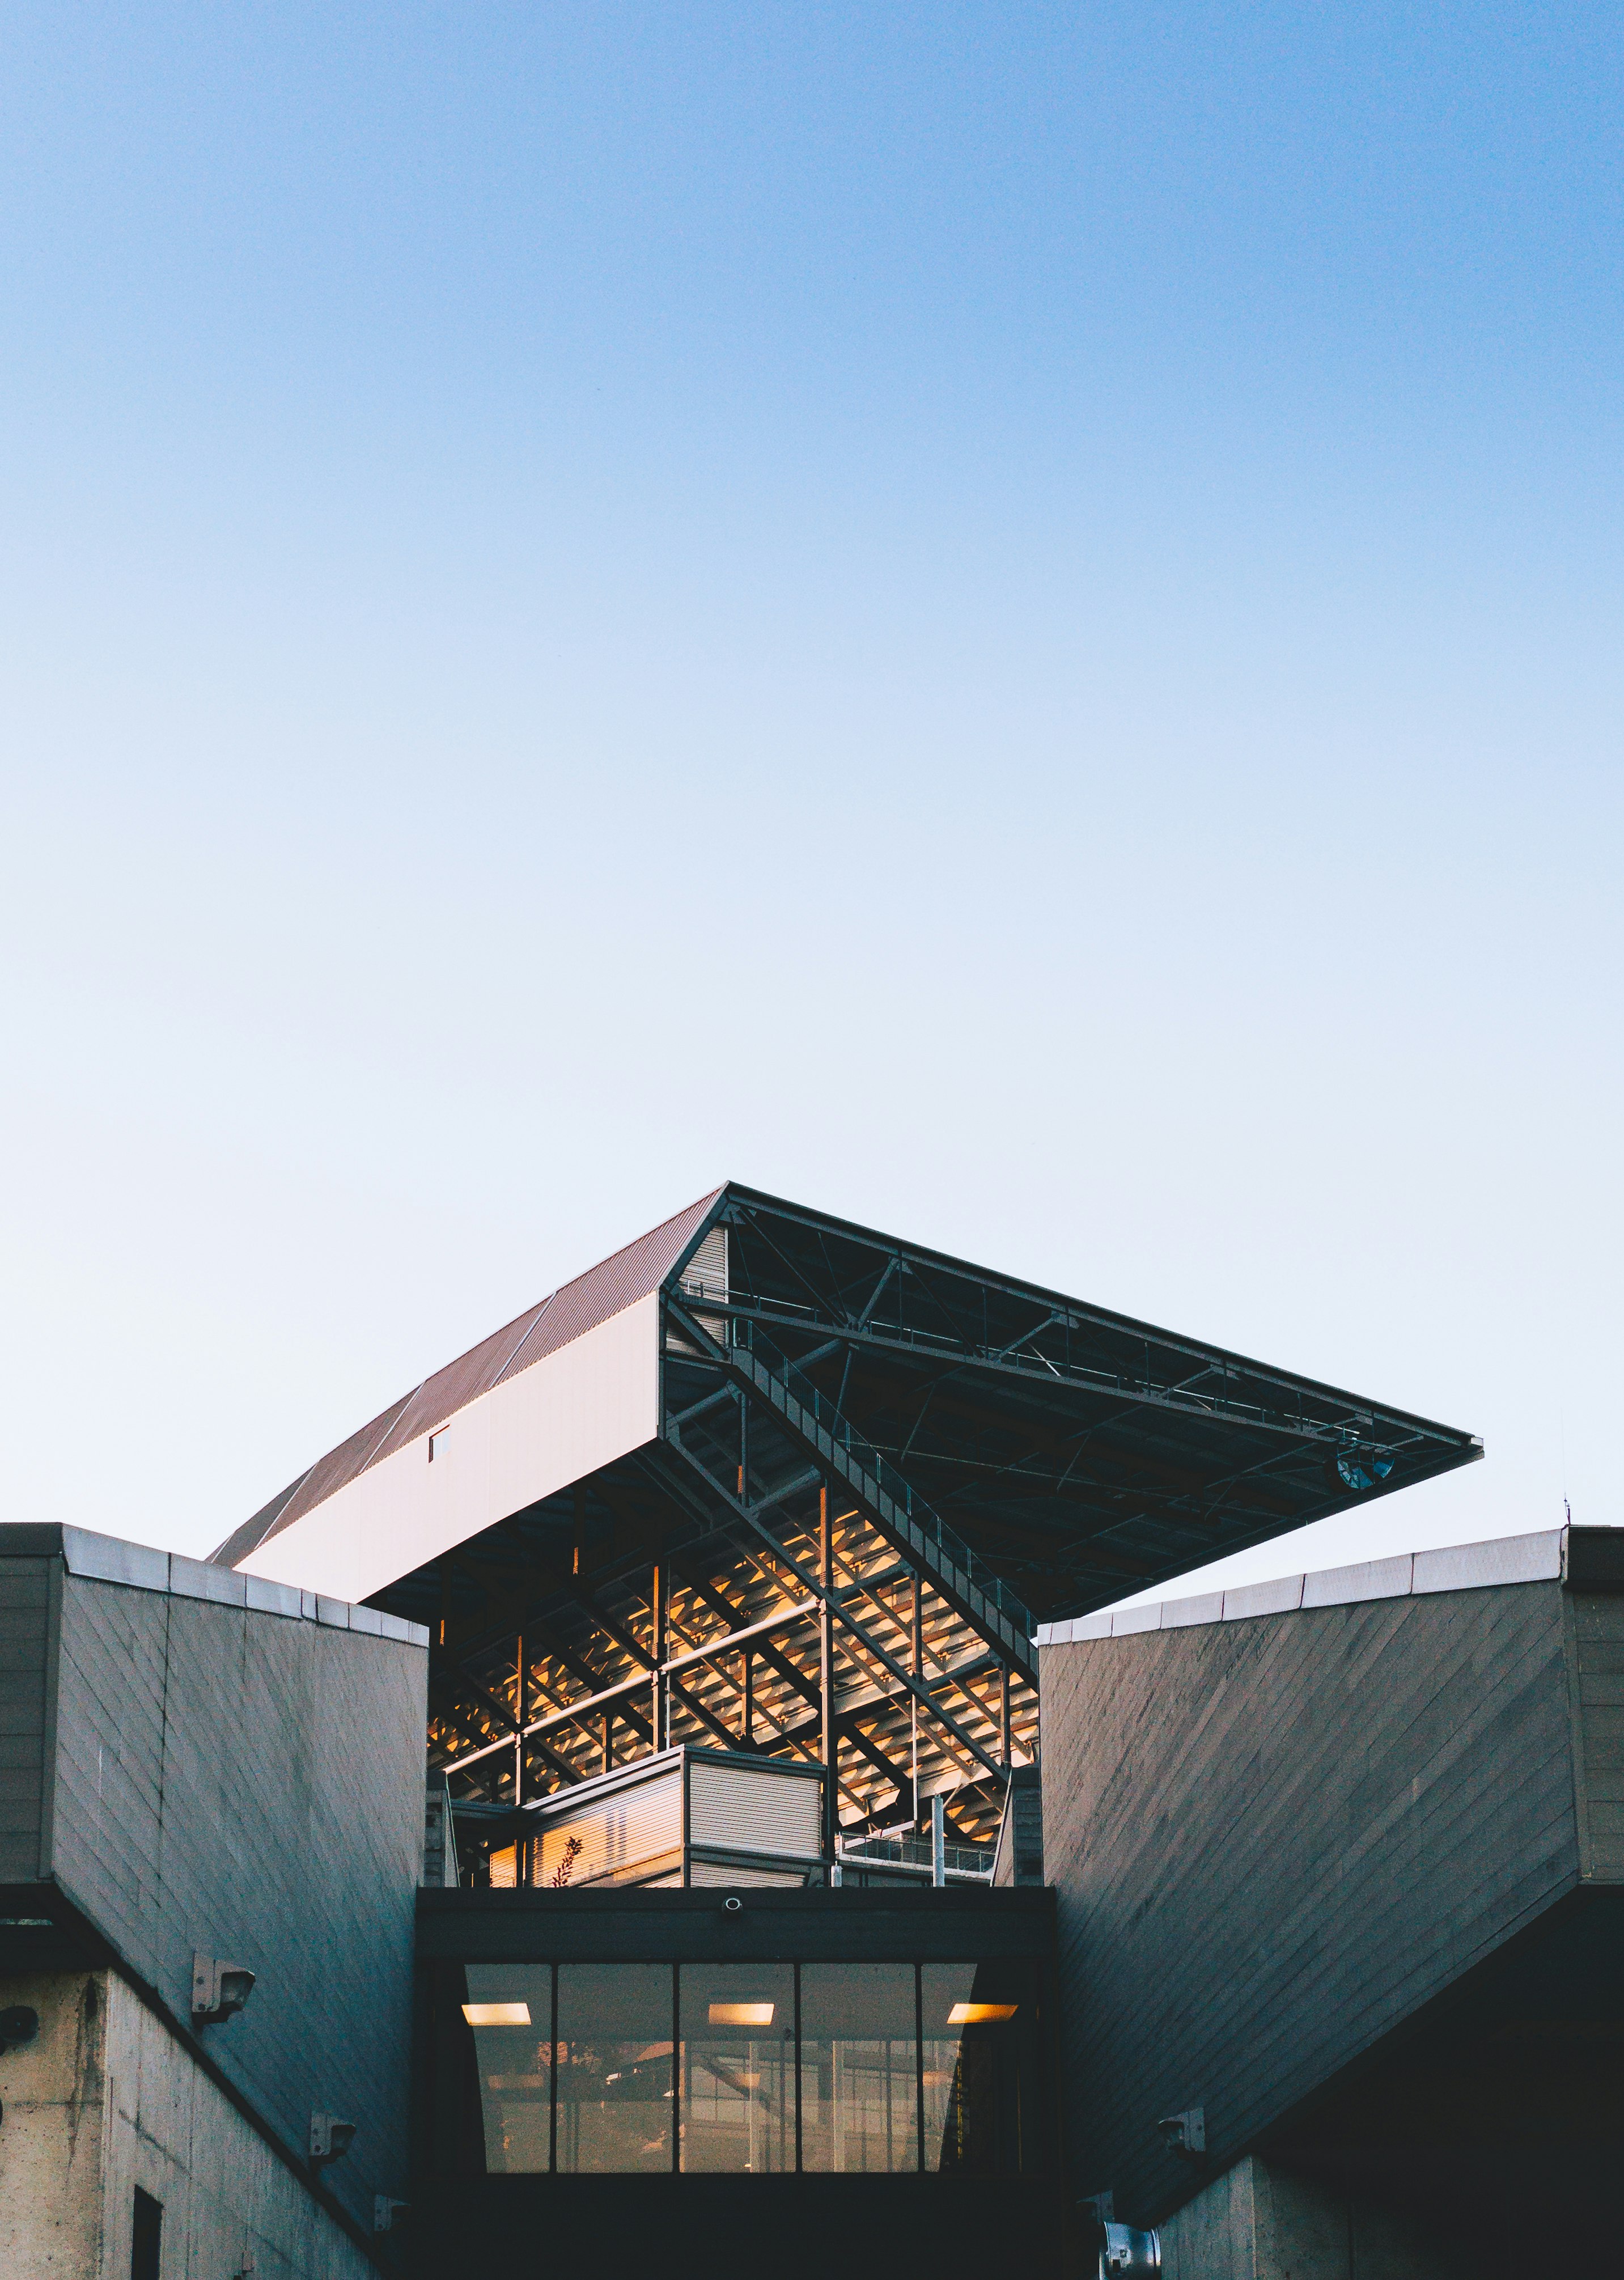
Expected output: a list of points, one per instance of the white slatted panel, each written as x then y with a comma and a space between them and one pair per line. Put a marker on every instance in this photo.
706, 1276
706, 1271
751, 1808
631, 1826
714, 1872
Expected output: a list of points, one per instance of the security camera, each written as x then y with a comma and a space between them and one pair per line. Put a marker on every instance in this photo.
219, 1989
330, 2138
19, 2024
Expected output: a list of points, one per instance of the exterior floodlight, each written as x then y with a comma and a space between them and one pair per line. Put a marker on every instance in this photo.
330, 2140
1124, 2252
977, 2014
1185, 2134
496, 2015
1359, 1470
219, 1989
18, 2024
741, 2015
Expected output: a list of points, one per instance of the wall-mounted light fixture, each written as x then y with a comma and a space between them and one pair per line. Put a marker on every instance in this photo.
219, 1989
330, 2138
1185, 2134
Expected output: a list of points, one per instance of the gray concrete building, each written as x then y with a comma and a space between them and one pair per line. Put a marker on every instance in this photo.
680, 1782
199, 1770
1339, 1865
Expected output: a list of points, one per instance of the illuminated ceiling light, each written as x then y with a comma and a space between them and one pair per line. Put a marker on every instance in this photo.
496, 2015
977, 2014
741, 2015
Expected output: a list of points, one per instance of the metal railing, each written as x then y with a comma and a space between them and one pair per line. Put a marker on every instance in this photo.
866, 1459
915, 1852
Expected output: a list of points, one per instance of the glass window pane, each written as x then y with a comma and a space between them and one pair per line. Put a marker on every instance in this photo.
509, 2007
859, 2084
980, 2045
614, 2066
738, 2065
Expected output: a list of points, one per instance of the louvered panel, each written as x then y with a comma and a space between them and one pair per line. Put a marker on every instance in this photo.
621, 1834
752, 1808
718, 1872
706, 1277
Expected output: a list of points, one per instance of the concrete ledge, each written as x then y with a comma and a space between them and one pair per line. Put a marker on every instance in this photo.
1370, 1579
1509, 1560
141, 1567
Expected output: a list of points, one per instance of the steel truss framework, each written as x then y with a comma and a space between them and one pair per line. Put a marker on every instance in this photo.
876, 1466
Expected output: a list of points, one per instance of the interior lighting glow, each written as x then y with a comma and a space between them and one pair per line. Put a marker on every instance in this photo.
741, 2015
977, 2014
496, 2015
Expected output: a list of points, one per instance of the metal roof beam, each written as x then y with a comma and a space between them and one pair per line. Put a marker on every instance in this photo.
844, 1615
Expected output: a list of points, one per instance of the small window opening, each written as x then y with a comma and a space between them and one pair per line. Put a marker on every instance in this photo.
147, 2237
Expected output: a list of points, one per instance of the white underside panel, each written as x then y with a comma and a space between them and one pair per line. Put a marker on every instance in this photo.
593, 1400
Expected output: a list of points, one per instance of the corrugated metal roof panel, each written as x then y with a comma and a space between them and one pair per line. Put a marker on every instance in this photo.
605, 1290
326, 1474
242, 1540
460, 1383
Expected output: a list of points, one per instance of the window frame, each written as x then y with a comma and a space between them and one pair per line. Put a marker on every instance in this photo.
1031, 2155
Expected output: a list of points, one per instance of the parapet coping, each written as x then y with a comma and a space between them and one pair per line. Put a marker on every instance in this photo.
1456, 1567
141, 1567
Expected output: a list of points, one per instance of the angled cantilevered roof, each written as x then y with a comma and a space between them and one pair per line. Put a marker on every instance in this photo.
1076, 1453
571, 1312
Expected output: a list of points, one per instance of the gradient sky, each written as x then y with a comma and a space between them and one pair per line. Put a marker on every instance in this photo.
1004, 620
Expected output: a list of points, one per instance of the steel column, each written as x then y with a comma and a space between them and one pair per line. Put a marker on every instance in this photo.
659, 1695
828, 1743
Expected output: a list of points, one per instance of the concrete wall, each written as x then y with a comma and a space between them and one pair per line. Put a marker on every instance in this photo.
105, 2099
244, 1784
1259, 2222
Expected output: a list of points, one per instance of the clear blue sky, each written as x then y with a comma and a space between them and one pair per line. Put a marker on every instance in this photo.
1003, 619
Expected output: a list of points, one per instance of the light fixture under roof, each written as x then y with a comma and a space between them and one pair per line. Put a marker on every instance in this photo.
741, 2015
496, 2015
977, 2014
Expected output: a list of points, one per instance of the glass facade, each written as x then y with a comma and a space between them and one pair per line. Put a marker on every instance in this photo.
510, 2012
979, 2081
738, 2066
766, 2069
615, 2075
859, 2067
